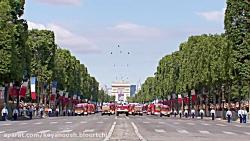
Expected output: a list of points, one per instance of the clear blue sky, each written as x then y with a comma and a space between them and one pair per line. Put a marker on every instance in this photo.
148, 29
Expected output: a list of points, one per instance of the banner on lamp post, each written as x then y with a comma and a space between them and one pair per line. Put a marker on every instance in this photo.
179, 98
54, 86
23, 89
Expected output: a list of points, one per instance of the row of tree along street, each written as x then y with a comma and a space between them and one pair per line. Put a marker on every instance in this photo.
33, 53
207, 69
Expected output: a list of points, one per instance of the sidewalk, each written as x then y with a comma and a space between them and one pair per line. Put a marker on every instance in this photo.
223, 120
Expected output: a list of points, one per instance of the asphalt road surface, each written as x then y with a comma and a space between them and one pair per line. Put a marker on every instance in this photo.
131, 128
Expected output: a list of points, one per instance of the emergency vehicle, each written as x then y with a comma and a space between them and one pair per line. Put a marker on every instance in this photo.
150, 109
106, 109
157, 109
165, 110
122, 109
79, 110
112, 108
84, 107
138, 110
91, 109
131, 108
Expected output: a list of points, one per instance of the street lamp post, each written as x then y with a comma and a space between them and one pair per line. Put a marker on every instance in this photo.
223, 100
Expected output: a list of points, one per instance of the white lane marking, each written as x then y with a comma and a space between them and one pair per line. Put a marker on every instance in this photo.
20, 132
115, 117
2, 132
68, 122
37, 123
161, 122
229, 133
105, 118
146, 122
247, 133
88, 130
100, 122
160, 130
66, 131
23, 123
127, 117
43, 131
183, 131
83, 122
190, 123
205, 124
137, 132
237, 125
204, 132
221, 125
53, 122
6, 124
110, 132
176, 123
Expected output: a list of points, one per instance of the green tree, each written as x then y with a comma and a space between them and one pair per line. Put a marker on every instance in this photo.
42, 51
237, 30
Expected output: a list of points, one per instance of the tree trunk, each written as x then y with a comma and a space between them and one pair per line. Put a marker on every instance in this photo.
239, 91
229, 94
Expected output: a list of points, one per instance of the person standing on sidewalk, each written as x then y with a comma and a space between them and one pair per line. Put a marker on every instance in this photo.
180, 113
193, 112
57, 111
21, 111
229, 115
69, 111
41, 112
244, 114
212, 112
15, 114
175, 112
50, 112
186, 113
201, 113
240, 114
4, 113
30, 112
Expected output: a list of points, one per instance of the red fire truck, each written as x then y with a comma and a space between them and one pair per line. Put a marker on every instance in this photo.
81, 109
165, 110
122, 109
138, 110
131, 108
91, 109
112, 108
150, 109
157, 109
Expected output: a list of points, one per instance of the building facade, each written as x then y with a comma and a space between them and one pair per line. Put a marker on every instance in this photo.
132, 90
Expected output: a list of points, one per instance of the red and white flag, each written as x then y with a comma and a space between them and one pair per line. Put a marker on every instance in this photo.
23, 89
179, 98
